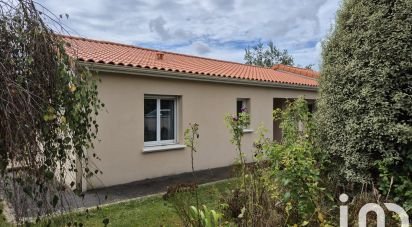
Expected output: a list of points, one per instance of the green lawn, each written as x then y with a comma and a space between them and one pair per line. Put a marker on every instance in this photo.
152, 211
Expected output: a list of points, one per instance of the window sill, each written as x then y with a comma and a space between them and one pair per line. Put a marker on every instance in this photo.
248, 130
163, 148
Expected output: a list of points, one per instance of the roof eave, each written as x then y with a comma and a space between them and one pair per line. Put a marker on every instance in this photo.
189, 76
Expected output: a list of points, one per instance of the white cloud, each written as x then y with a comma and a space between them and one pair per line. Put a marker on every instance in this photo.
210, 28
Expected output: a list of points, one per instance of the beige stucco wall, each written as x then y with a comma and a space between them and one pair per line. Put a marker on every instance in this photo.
121, 125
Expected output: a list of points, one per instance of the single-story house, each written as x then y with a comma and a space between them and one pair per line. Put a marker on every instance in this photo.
151, 97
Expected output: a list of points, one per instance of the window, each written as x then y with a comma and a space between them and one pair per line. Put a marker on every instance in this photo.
242, 105
159, 120
311, 106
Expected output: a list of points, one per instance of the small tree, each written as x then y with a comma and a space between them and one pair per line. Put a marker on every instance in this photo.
48, 105
236, 124
365, 108
191, 136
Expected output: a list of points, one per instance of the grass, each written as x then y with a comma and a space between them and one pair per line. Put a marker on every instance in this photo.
150, 211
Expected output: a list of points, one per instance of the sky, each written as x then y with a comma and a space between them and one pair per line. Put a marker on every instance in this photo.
219, 29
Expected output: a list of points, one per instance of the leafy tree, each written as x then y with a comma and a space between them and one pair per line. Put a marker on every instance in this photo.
365, 108
310, 66
267, 57
48, 105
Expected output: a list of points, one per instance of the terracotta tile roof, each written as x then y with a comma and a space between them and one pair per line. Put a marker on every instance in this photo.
104, 52
300, 71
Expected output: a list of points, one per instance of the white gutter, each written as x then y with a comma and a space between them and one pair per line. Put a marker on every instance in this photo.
101, 67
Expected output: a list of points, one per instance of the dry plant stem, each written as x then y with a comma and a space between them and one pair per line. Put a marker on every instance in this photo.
242, 161
192, 138
195, 179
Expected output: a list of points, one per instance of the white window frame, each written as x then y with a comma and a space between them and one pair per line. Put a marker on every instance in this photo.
159, 142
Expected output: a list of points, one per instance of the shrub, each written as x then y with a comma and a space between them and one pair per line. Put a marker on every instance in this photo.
250, 204
282, 185
295, 168
365, 108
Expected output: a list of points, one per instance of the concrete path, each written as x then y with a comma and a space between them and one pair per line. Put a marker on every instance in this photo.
118, 193
147, 187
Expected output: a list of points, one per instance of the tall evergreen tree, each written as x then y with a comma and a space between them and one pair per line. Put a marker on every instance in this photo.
365, 109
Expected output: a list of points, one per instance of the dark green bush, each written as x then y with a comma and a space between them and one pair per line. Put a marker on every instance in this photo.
365, 109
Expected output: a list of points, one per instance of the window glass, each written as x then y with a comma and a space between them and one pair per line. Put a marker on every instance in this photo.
167, 119
159, 120
311, 107
242, 105
150, 120
239, 106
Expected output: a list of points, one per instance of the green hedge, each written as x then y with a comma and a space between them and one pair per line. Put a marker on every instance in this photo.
365, 109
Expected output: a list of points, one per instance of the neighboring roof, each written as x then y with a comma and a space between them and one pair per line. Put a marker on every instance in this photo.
104, 52
300, 71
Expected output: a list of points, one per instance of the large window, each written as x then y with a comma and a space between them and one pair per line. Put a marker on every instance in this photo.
159, 120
